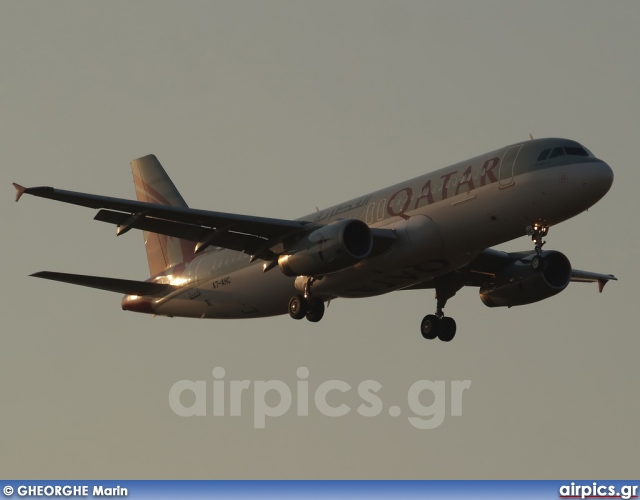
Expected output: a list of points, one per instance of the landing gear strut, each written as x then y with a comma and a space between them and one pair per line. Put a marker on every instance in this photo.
537, 232
438, 325
306, 305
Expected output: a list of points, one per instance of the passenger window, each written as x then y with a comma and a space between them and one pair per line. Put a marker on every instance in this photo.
543, 156
556, 152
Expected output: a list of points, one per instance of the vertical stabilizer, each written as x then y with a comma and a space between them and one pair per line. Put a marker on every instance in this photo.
153, 185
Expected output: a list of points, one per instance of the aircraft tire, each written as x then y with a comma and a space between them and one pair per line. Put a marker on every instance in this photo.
430, 326
447, 329
297, 307
315, 310
538, 263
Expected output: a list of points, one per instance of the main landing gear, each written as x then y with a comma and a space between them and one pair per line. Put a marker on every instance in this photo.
438, 325
306, 305
443, 327
537, 232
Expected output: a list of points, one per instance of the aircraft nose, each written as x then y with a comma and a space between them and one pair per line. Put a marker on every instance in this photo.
596, 180
602, 177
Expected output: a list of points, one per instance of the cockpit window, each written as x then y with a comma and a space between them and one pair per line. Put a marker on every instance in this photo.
544, 154
556, 152
573, 151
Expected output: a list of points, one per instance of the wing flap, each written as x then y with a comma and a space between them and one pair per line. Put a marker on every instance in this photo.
126, 287
240, 242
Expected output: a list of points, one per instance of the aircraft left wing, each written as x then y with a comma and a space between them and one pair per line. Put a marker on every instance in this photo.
255, 236
250, 234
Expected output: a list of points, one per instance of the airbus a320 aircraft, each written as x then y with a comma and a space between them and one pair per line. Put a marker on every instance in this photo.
431, 232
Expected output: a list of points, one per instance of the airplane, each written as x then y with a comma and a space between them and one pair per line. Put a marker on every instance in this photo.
431, 232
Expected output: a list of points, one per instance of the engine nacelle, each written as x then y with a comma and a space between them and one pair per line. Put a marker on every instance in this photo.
329, 249
520, 284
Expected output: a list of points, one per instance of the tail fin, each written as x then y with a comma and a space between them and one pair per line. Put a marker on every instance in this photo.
153, 185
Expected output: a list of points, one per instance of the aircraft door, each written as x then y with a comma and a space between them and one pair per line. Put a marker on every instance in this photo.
506, 166
195, 274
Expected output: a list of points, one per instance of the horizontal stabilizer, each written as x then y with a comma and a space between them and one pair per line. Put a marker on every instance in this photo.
126, 287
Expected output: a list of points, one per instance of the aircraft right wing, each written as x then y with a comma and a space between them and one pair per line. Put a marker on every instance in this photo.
578, 276
490, 263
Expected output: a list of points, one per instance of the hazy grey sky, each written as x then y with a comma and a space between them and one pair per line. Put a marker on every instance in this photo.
274, 108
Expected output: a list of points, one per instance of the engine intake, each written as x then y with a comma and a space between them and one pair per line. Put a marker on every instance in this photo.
520, 284
329, 249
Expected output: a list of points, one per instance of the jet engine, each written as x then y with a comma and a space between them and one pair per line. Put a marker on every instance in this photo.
329, 249
520, 283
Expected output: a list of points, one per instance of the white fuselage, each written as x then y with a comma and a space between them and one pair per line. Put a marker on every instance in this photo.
442, 220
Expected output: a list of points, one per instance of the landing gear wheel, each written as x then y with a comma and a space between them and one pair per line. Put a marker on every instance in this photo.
315, 310
430, 326
538, 263
447, 329
297, 307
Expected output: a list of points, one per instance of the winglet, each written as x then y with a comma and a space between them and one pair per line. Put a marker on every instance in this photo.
601, 284
19, 190
604, 280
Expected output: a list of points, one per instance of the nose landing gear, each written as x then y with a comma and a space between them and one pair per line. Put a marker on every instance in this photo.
537, 232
